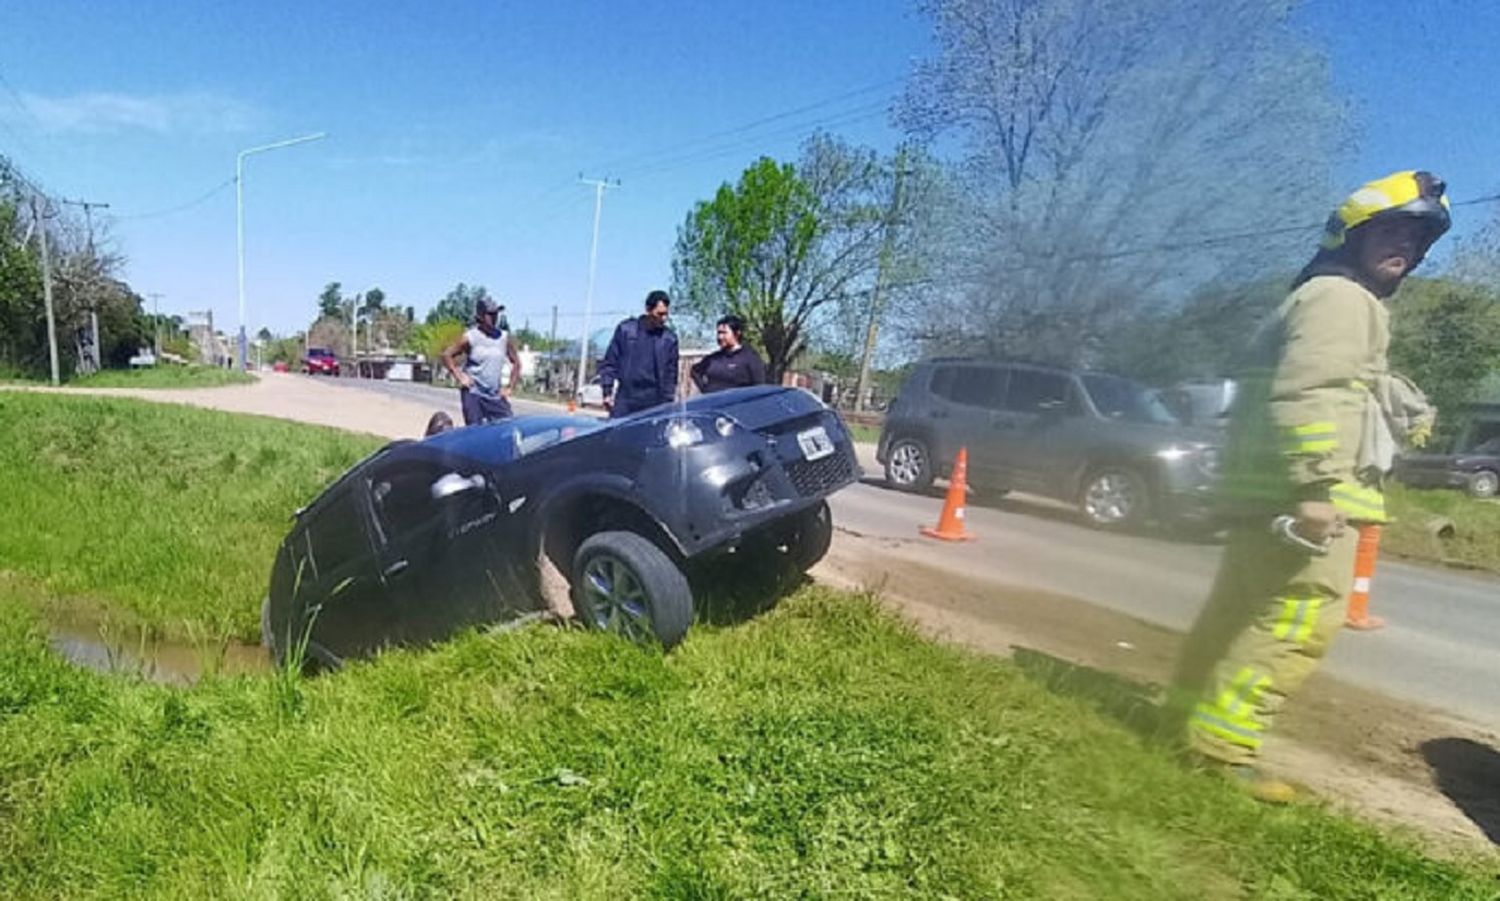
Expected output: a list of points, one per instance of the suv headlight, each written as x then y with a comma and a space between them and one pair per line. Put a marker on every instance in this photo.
682, 433
1204, 456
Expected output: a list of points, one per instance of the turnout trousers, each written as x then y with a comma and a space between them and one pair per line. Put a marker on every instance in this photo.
1269, 619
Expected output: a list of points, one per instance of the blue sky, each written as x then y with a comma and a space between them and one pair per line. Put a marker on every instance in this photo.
457, 130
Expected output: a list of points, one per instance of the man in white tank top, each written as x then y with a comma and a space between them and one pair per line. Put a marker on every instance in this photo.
486, 349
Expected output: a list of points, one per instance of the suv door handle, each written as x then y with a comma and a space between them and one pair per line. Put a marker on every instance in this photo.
395, 569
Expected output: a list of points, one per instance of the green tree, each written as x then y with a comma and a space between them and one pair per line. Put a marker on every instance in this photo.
782, 243
1445, 336
331, 301
373, 302
1203, 338
433, 337
265, 335
22, 327
526, 337
457, 304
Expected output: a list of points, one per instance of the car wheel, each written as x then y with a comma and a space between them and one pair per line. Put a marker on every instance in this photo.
622, 583
908, 465
813, 536
1114, 499
1484, 483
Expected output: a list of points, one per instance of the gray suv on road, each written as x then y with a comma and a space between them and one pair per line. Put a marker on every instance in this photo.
1099, 441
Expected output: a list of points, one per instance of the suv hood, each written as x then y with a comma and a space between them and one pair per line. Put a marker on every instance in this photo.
753, 408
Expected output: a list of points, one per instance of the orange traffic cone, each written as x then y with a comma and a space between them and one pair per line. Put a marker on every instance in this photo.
1358, 615
572, 405
950, 525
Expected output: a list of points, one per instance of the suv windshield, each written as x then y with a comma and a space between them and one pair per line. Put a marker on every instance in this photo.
1119, 398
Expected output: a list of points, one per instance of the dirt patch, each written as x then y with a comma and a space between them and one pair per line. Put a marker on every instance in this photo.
1393, 761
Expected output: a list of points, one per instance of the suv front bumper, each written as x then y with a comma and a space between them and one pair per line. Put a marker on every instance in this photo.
710, 495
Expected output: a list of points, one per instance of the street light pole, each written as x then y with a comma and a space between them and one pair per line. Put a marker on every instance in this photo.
239, 213
588, 302
156, 317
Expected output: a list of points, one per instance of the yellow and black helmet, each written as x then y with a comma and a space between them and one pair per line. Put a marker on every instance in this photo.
1412, 193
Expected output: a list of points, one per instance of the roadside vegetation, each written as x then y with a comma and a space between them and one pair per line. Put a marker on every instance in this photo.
165, 377
1475, 538
821, 748
164, 515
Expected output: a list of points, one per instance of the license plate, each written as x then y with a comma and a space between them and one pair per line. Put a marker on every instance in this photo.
815, 443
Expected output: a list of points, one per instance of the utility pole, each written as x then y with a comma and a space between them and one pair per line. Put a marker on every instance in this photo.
877, 298
37, 211
156, 318
552, 337
88, 218
600, 184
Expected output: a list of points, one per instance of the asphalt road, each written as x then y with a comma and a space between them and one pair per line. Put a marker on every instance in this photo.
1441, 645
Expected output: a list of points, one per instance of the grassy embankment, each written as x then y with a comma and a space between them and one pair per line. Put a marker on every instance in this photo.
1476, 524
165, 376
821, 749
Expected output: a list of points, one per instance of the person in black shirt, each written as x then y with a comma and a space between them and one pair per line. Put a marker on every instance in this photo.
733, 365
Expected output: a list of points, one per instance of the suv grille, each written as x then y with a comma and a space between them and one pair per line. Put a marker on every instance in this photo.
818, 476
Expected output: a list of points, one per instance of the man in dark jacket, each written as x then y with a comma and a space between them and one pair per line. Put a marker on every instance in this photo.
641, 360
733, 365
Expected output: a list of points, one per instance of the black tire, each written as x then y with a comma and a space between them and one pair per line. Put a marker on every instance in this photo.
1484, 483
1114, 497
623, 583
812, 537
908, 465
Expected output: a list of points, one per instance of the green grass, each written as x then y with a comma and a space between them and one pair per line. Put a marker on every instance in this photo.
168, 514
165, 376
1476, 538
821, 750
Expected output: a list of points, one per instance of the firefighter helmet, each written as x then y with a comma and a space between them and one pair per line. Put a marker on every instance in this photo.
1412, 193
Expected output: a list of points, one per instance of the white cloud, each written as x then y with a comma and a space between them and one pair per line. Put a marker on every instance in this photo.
104, 112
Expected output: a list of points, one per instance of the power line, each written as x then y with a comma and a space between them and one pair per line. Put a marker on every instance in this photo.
197, 201
848, 117
634, 159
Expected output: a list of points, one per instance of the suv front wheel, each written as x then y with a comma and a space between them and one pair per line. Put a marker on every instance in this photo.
908, 465
1114, 498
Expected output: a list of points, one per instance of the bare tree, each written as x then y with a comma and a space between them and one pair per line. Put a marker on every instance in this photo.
1115, 152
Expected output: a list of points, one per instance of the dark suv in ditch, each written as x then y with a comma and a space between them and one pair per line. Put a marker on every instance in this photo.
1100, 441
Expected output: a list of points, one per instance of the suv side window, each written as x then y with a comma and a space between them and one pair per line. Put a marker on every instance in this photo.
402, 496
1035, 391
336, 536
973, 386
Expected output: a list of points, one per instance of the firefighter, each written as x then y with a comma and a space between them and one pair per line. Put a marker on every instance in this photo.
1305, 447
